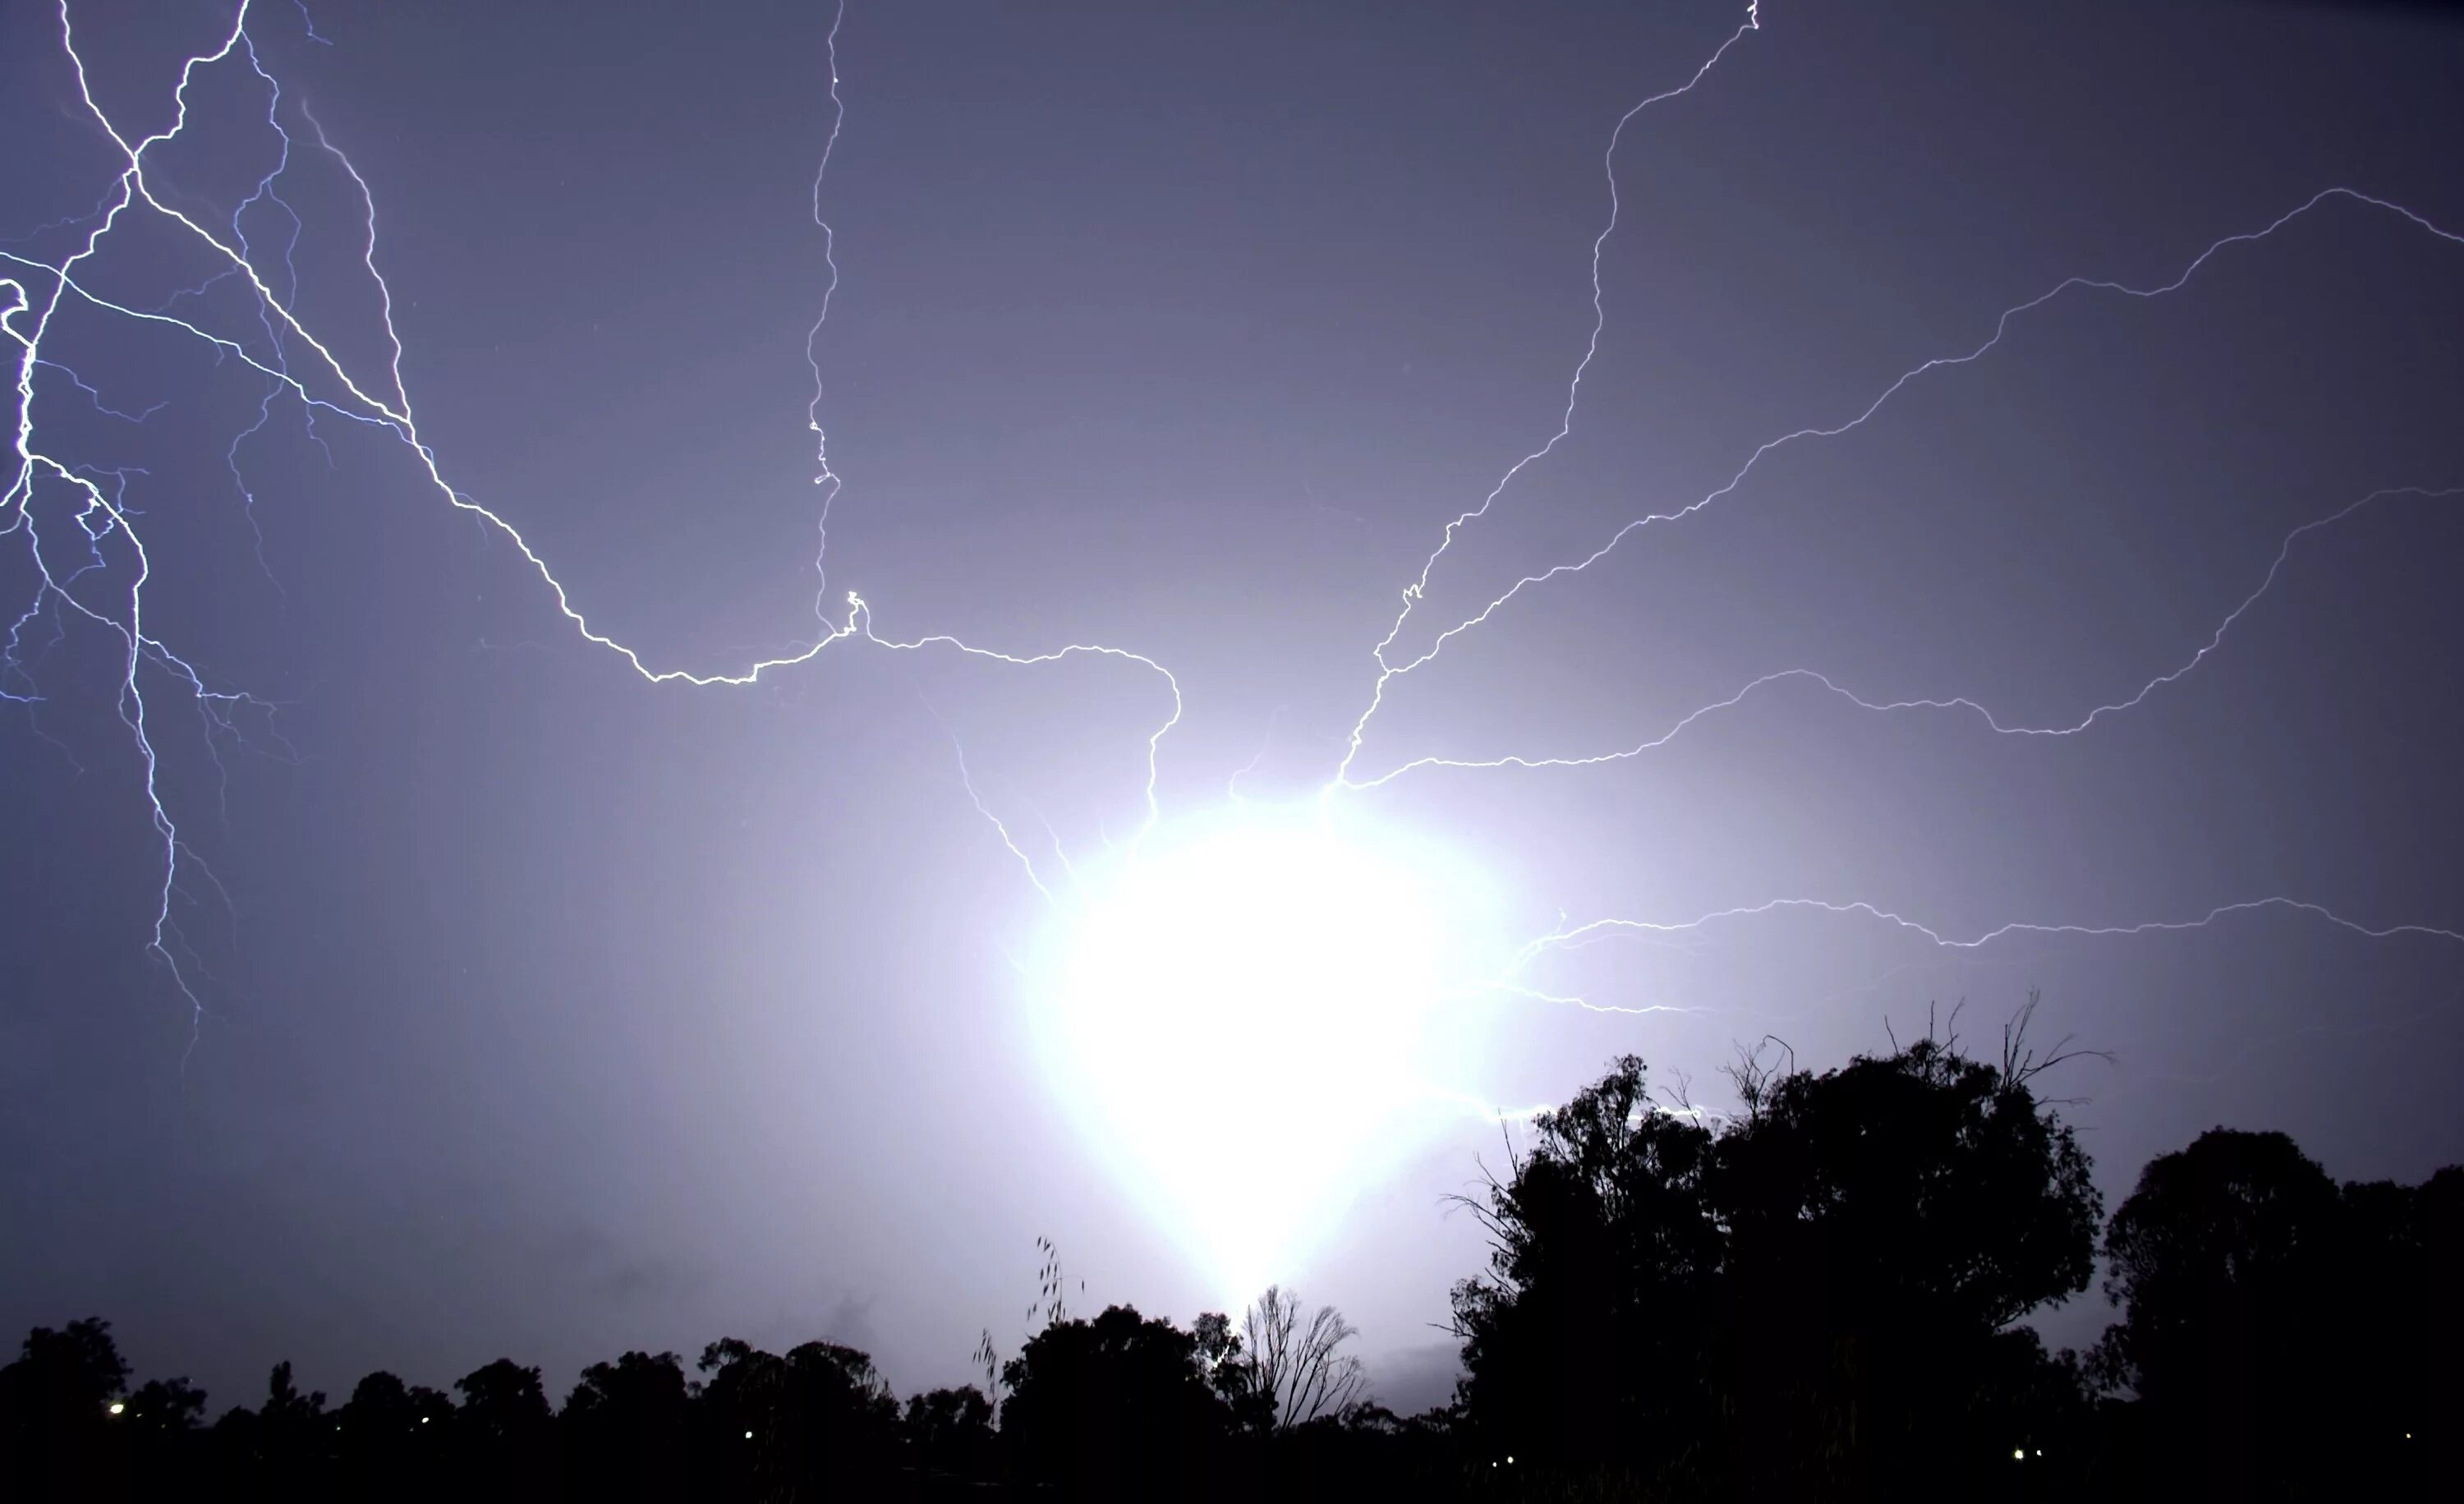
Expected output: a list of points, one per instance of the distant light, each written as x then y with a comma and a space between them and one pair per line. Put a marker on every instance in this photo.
2040, 1451
422, 1419
748, 1436
2018, 1454
1509, 1459
116, 1407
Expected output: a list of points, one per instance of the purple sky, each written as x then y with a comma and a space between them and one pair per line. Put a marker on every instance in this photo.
549, 1012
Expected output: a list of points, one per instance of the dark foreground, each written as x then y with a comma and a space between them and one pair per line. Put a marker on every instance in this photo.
1822, 1296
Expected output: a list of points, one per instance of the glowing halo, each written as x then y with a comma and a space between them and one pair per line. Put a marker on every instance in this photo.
1236, 1013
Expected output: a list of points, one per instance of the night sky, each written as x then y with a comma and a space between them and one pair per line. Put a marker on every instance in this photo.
543, 1011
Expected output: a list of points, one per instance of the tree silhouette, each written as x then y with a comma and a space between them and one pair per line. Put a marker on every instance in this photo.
949, 1431
626, 1427
1587, 1341
158, 1429
66, 1377
172, 1406
55, 1407
388, 1444
1298, 1361
501, 1399
2402, 1319
818, 1419
284, 1449
1117, 1407
1232, 1372
2208, 1254
1887, 1223
503, 1430
1807, 1301
2281, 1334
433, 1407
380, 1405
288, 1412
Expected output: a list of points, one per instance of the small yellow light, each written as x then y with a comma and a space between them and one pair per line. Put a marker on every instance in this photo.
2018, 1454
117, 1408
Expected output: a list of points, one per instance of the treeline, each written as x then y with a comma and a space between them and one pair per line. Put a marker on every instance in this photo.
1815, 1295
1117, 1407
1821, 1296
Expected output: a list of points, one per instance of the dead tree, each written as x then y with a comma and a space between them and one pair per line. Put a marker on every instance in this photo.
1300, 1358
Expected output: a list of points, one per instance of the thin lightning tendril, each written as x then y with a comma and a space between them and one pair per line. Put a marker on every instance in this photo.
1413, 593
1000, 827
1991, 721
825, 477
1388, 673
1597, 930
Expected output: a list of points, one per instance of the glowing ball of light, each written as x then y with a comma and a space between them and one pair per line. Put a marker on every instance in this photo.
1237, 1013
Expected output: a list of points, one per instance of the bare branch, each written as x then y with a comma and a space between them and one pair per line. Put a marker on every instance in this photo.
2023, 1064
1300, 1361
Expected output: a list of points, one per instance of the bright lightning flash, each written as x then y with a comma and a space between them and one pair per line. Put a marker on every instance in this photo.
1240, 1013
1251, 1011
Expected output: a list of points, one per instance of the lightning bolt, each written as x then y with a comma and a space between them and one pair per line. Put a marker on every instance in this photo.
40, 288
92, 566
824, 476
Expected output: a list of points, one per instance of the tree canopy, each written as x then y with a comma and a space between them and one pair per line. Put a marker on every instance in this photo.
1797, 1297
2282, 1333
1114, 1405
